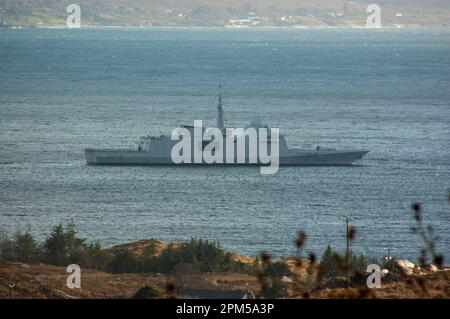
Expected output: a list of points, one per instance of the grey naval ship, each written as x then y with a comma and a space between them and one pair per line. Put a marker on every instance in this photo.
156, 150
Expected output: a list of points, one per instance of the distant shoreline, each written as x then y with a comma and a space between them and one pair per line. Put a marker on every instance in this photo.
85, 27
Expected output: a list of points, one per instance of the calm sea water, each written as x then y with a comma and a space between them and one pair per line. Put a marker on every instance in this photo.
385, 90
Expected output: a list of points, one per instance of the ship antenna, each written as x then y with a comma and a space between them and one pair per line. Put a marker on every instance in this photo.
220, 122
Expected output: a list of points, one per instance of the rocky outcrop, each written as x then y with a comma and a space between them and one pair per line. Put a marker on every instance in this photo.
404, 263
431, 268
404, 266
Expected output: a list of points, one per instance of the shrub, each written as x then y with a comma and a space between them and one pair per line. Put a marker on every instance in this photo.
358, 264
94, 256
204, 255
149, 292
123, 262
185, 275
277, 269
275, 289
333, 264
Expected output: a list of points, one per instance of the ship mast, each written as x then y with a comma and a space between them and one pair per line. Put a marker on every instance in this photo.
220, 122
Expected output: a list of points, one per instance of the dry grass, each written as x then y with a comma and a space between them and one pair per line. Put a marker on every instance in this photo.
45, 281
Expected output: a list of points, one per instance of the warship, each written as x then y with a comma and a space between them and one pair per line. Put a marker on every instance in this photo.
157, 150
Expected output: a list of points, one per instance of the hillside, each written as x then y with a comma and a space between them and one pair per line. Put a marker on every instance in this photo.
230, 13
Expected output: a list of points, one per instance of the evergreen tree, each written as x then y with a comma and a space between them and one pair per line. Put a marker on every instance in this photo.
26, 248
63, 247
75, 245
6, 248
328, 265
94, 256
56, 247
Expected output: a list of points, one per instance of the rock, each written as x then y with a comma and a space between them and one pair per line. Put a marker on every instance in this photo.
214, 282
405, 263
404, 266
431, 268
286, 280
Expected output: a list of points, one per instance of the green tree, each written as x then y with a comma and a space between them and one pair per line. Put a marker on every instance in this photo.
328, 265
26, 248
6, 248
63, 246
358, 264
94, 256
55, 247
75, 244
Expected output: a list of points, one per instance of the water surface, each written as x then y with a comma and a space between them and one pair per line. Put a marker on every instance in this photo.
385, 90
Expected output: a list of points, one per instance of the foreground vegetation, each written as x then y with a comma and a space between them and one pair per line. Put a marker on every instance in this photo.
183, 262
63, 247
188, 264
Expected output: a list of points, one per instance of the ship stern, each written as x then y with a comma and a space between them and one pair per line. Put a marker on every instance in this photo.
91, 156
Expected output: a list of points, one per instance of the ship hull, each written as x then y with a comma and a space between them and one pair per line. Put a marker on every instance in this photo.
294, 158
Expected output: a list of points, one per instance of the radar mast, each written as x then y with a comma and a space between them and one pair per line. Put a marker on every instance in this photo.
220, 121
